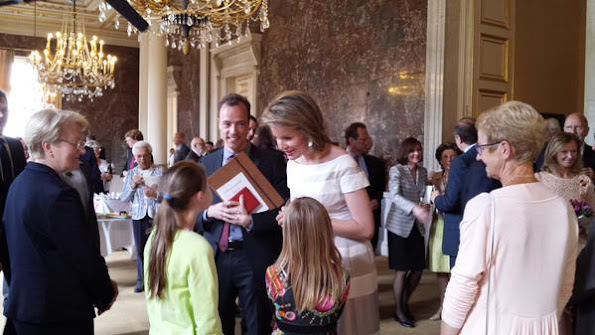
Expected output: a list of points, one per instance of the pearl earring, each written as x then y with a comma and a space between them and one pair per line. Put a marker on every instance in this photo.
310, 144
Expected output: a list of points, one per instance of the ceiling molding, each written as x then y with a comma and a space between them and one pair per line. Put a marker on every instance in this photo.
19, 20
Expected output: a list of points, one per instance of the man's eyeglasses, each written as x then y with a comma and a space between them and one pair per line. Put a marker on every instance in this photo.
481, 147
78, 145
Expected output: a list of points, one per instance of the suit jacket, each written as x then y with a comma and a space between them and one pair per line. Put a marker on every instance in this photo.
404, 194
467, 179
192, 156
12, 169
58, 273
588, 156
377, 177
181, 153
263, 243
130, 158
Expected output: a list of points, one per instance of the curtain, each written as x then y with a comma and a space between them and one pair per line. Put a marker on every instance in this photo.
6, 58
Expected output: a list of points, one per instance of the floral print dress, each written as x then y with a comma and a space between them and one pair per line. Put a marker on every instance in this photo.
321, 321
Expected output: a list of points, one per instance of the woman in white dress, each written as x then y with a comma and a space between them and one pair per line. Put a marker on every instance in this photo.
325, 172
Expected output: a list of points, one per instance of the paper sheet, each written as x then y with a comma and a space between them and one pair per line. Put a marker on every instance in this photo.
235, 185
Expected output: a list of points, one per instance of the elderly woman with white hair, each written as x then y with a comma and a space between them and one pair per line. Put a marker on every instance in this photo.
140, 188
515, 268
58, 274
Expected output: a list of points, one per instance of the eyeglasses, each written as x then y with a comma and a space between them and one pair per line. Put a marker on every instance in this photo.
79, 145
481, 147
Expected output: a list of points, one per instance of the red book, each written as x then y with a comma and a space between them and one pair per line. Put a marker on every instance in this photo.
250, 201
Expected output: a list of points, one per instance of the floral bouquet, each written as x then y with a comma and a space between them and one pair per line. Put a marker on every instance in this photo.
582, 209
583, 212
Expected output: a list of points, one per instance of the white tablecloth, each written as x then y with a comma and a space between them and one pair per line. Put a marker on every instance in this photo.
114, 235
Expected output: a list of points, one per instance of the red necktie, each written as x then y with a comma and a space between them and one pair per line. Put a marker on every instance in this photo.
224, 239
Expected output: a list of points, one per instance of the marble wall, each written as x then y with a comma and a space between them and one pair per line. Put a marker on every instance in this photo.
361, 61
187, 80
109, 116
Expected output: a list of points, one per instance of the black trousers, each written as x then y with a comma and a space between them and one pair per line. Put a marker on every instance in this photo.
237, 279
81, 327
140, 230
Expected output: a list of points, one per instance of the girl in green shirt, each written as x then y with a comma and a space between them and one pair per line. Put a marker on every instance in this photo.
180, 272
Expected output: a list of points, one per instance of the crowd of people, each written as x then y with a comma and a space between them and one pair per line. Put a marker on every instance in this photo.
505, 225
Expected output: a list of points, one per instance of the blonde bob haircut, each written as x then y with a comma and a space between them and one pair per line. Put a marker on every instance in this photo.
556, 144
296, 109
309, 255
46, 126
517, 123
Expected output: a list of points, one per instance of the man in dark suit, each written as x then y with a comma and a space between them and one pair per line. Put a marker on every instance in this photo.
245, 245
131, 137
197, 149
94, 175
467, 179
358, 144
577, 124
182, 149
12, 162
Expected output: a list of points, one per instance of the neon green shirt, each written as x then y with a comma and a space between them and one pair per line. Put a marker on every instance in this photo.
190, 301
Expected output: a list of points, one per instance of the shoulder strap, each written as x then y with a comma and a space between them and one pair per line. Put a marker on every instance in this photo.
489, 272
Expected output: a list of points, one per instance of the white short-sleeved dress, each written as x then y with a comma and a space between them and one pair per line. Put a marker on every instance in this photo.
328, 183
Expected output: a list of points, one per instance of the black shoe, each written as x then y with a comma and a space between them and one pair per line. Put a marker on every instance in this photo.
139, 288
404, 322
409, 316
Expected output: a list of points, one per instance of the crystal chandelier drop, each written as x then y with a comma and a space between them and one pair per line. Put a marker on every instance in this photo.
195, 23
76, 67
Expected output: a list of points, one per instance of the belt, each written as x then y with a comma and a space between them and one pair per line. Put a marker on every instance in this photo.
235, 245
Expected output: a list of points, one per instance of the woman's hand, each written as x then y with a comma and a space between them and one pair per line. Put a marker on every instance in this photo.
422, 213
281, 216
150, 192
137, 181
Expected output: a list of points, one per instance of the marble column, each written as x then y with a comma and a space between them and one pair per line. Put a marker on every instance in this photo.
590, 69
204, 121
155, 96
434, 81
142, 82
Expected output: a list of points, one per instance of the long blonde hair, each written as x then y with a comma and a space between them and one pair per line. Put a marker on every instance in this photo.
182, 181
309, 255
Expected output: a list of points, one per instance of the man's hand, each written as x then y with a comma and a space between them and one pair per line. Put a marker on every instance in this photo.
116, 292
230, 211
434, 195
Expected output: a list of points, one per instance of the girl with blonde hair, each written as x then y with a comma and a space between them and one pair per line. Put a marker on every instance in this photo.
307, 283
180, 273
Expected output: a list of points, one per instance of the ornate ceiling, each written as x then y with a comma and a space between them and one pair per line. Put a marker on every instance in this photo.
19, 20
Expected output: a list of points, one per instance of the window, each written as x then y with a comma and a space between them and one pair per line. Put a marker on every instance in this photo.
25, 98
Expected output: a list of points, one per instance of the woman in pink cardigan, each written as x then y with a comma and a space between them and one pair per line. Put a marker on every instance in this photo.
515, 267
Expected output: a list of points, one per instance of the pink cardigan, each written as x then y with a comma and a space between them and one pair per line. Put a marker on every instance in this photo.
532, 271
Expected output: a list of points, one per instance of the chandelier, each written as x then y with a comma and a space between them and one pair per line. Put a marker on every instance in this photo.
195, 23
76, 67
